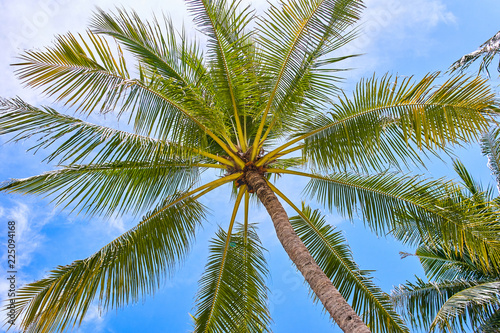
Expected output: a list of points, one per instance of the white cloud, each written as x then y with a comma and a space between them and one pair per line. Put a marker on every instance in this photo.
396, 27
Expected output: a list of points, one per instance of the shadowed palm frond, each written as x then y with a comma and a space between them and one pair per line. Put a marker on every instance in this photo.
120, 273
238, 303
490, 146
482, 297
492, 325
413, 210
330, 250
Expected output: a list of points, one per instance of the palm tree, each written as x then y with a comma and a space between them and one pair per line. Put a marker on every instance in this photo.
245, 106
462, 291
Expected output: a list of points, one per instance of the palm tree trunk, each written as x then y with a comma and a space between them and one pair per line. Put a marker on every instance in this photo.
340, 311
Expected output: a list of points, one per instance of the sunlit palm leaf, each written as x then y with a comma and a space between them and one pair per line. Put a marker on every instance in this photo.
330, 250
386, 119
294, 36
442, 265
131, 266
109, 188
239, 302
72, 72
409, 207
77, 139
156, 45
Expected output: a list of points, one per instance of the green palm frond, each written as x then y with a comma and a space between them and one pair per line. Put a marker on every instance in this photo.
77, 139
157, 46
71, 71
482, 297
413, 210
330, 250
389, 120
377, 197
84, 73
421, 301
231, 57
131, 266
492, 324
238, 303
294, 36
109, 188
440, 265
490, 146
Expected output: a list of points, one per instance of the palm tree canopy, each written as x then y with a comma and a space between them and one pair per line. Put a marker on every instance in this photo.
261, 89
463, 291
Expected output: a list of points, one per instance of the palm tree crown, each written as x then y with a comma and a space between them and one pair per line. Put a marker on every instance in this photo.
243, 105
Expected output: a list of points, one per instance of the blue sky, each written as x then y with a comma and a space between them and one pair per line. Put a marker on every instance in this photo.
399, 37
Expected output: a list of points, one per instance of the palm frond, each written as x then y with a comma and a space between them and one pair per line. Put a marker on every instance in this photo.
157, 46
76, 139
96, 80
232, 295
440, 265
482, 297
413, 209
490, 146
84, 73
492, 325
390, 120
293, 37
385, 118
421, 301
330, 250
131, 266
232, 61
109, 188
488, 50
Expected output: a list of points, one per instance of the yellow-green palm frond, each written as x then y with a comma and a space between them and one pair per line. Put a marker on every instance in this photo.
330, 250
412, 210
77, 141
238, 303
440, 264
295, 37
157, 46
122, 272
232, 62
86, 74
390, 120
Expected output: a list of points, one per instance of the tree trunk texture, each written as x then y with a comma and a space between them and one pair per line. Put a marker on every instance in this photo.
340, 311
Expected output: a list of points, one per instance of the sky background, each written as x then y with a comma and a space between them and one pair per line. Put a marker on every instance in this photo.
398, 37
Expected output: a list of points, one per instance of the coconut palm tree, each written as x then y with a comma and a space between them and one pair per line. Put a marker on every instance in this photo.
463, 291
260, 94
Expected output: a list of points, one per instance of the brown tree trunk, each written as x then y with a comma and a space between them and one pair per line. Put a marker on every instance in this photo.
340, 311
